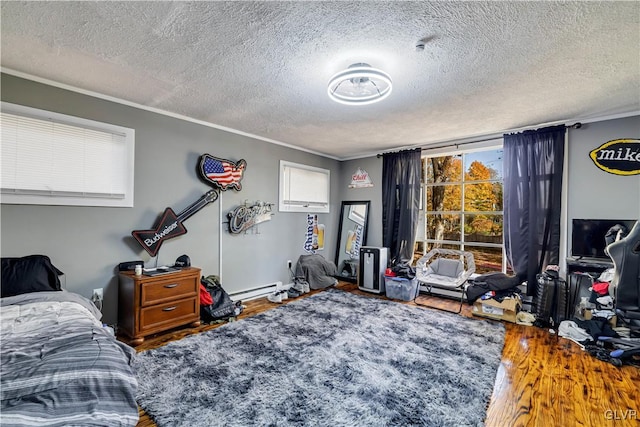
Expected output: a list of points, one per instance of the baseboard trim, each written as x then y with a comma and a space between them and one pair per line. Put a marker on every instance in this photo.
257, 292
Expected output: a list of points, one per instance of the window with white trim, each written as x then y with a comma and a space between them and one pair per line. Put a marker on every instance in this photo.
303, 188
463, 210
54, 159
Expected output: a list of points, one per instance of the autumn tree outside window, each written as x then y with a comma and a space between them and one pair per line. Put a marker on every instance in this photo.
463, 193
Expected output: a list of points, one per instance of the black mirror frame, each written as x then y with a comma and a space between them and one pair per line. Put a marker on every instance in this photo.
340, 244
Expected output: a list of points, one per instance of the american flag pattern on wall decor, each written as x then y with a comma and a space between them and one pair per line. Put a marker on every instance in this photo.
222, 173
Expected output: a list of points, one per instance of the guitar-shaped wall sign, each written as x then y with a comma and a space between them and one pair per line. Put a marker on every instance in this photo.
170, 225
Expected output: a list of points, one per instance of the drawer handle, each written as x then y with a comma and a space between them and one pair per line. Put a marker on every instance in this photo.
170, 308
171, 286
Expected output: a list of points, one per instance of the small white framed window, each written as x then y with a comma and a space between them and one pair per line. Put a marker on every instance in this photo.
303, 188
49, 158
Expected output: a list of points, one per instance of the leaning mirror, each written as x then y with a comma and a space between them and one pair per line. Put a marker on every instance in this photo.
352, 234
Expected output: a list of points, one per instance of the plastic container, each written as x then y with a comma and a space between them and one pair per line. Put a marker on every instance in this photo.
401, 288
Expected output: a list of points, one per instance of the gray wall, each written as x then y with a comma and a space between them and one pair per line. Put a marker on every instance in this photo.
594, 193
373, 166
86, 243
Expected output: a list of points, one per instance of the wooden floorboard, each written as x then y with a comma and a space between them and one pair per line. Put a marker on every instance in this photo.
543, 380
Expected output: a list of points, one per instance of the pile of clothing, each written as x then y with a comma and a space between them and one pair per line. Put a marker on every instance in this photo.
494, 285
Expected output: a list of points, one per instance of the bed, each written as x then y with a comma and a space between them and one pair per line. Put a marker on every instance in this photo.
59, 365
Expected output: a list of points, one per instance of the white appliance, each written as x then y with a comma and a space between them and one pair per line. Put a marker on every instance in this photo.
373, 263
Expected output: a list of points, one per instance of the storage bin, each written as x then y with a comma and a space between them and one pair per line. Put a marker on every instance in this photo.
401, 288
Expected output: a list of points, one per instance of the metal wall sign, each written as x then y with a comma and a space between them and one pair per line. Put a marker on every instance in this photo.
170, 224
314, 237
360, 179
222, 173
244, 216
618, 156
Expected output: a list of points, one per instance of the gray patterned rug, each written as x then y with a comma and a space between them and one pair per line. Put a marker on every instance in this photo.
332, 359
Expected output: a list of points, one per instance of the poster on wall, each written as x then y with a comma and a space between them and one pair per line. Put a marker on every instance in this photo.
618, 156
360, 179
315, 234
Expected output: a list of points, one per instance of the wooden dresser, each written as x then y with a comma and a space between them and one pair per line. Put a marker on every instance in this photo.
148, 305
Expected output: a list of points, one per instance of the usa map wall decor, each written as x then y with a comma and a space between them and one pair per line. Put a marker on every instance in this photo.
221, 172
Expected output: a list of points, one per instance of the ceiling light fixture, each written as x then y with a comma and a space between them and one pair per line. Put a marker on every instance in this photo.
360, 84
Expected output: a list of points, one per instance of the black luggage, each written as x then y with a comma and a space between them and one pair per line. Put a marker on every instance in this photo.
552, 299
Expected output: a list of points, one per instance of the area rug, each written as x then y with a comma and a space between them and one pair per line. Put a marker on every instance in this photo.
332, 359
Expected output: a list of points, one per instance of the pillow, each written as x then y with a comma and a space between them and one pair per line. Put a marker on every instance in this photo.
447, 267
33, 273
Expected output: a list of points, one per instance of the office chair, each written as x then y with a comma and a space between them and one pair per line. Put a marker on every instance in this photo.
625, 254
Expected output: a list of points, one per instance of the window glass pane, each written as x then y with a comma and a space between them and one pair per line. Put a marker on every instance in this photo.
443, 227
483, 165
486, 259
483, 197
303, 188
443, 198
444, 169
53, 159
307, 186
469, 183
483, 228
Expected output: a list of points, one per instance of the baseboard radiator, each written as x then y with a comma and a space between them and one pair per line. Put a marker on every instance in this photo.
257, 292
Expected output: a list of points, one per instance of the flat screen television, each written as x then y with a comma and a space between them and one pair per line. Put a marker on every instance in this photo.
588, 236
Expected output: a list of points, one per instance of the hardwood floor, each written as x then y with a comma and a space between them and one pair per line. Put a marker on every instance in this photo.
543, 380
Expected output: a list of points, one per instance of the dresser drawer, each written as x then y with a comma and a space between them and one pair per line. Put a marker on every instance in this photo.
164, 316
155, 292
152, 304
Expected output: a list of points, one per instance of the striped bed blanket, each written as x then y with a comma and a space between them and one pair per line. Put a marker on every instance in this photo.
60, 367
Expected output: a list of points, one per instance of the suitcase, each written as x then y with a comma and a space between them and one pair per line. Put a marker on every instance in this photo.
552, 300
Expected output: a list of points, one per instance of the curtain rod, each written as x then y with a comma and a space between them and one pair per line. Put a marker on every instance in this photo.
576, 125
399, 151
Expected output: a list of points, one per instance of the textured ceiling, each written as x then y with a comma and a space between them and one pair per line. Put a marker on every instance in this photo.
262, 67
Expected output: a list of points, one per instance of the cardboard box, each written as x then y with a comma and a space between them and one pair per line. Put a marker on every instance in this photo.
505, 310
613, 321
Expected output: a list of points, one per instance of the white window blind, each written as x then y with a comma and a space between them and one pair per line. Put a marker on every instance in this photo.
52, 159
303, 188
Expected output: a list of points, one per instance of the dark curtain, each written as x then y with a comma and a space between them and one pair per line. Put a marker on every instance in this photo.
532, 197
401, 174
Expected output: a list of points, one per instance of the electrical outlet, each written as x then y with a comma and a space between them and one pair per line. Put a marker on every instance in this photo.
97, 294
289, 264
